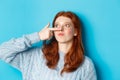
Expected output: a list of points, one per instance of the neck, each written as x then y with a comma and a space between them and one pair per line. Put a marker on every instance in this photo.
64, 47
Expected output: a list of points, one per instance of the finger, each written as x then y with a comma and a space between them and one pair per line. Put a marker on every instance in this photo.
54, 29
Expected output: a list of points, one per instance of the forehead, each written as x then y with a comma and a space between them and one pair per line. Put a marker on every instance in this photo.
63, 19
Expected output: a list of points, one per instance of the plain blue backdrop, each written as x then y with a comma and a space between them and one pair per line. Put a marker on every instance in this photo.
101, 29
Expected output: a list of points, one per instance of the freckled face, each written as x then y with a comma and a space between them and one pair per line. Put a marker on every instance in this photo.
67, 32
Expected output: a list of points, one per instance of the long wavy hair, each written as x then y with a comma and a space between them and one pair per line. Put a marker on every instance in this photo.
75, 55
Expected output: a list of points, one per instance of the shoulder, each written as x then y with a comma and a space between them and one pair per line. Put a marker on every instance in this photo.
87, 70
87, 62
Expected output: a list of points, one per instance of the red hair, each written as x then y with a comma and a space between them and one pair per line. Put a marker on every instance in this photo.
75, 56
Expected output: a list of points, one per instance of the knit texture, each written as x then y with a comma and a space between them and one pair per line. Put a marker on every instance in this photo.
19, 53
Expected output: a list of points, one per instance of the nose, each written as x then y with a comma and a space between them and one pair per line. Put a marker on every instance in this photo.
61, 28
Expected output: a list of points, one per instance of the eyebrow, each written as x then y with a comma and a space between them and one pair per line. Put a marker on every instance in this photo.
65, 22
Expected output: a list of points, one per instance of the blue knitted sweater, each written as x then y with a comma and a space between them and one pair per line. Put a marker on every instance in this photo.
30, 61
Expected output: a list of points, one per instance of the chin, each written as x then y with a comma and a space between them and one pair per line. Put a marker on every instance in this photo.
61, 41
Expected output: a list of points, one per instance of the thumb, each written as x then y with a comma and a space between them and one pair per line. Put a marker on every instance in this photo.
47, 25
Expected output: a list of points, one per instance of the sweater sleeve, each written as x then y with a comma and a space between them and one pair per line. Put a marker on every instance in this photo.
8, 50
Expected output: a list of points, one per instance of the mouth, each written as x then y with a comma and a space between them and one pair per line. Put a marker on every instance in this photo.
61, 34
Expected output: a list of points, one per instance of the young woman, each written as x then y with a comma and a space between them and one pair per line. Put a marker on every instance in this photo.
61, 57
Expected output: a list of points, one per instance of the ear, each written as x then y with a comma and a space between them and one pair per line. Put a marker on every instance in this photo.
75, 33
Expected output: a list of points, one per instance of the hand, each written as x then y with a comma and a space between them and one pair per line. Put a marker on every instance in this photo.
46, 33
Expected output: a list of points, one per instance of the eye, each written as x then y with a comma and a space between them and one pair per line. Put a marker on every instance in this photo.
56, 25
67, 25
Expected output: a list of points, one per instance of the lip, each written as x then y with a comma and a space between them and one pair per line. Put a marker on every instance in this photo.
60, 34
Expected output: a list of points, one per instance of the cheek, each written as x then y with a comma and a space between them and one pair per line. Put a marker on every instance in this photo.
70, 32
55, 33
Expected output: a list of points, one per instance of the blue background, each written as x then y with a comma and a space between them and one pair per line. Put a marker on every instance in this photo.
101, 29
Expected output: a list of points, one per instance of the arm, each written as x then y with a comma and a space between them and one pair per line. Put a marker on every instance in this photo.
12, 51
9, 49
